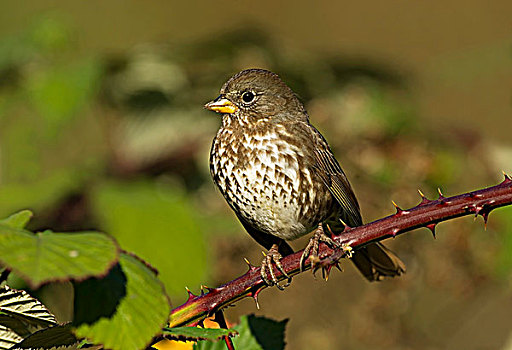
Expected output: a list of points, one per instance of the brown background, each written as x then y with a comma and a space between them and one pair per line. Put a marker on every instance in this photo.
457, 52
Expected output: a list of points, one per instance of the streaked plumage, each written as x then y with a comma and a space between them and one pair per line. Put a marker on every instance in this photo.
277, 172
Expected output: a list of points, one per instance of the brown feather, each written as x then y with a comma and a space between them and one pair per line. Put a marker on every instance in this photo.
278, 174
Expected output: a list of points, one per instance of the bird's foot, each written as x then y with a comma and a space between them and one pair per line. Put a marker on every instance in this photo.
273, 257
311, 251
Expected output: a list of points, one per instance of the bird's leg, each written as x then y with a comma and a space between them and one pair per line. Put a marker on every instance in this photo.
311, 249
273, 257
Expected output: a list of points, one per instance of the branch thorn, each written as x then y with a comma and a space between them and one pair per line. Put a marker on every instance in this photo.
345, 226
251, 266
484, 212
255, 294
507, 177
330, 231
190, 294
398, 209
485, 215
432, 228
326, 271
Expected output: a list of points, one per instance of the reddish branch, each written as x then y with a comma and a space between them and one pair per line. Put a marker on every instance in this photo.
426, 214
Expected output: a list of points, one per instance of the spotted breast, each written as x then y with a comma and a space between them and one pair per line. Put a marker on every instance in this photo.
264, 177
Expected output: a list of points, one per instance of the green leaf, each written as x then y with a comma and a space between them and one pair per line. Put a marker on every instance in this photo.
139, 214
8, 338
98, 297
140, 314
196, 333
255, 333
18, 220
60, 337
20, 316
267, 332
22, 313
48, 256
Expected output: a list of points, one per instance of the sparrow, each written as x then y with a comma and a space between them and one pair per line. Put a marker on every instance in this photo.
280, 177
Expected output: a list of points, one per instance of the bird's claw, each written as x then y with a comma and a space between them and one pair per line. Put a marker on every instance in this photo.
312, 248
273, 257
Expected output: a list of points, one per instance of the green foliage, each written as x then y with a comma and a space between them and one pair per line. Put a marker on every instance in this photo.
158, 222
25, 323
123, 308
20, 316
17, 220
255, 333
140, 314
57, 336
48, 256
139, 306
197, 333
99, 297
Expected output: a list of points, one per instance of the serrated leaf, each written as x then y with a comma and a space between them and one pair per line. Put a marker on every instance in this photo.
18, 220
48, 256
20, 316
254, 333
8, 338
140, 314
22, 313
56, 337
196, 333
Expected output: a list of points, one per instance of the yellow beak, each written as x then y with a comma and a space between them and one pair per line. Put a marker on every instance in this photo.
221, 105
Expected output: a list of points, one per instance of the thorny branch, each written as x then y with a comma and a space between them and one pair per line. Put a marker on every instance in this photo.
428, 213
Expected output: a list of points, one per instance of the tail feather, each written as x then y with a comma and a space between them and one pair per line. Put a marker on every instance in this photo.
375, 262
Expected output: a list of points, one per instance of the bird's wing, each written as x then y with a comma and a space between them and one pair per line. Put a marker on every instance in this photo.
336, 181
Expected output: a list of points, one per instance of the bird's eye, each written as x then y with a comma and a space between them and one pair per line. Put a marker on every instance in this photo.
248, 96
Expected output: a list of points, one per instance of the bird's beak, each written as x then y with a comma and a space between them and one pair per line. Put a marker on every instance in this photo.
221, 105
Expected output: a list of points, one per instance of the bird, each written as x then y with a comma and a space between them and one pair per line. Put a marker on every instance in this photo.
278, 174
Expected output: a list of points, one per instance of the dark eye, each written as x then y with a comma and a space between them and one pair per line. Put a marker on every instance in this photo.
248, 96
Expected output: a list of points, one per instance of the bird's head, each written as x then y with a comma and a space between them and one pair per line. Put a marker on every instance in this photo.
258, 94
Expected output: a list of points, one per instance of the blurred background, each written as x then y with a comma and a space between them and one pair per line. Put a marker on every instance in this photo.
102, 127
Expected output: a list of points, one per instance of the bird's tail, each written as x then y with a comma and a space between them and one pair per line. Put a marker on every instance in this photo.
375, 262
